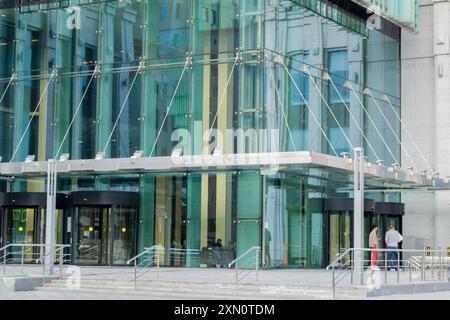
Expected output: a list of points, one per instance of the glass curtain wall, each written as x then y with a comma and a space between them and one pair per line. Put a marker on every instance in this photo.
329, 70
155, 75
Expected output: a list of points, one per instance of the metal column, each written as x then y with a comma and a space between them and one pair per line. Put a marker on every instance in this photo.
263, 229
358, 215
50, 216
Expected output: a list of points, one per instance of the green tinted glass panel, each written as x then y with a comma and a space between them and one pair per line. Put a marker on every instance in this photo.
249, 197
248, 236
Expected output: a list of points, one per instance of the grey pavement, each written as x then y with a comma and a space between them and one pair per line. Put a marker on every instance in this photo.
417, 296
299, 277
319, 279
45, 295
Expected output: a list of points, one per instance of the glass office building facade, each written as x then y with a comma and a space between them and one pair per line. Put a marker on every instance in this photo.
126, 75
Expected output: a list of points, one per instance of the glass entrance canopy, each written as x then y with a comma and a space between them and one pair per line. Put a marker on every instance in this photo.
309, 163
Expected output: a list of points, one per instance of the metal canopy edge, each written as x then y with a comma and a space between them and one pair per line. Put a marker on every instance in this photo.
227, 162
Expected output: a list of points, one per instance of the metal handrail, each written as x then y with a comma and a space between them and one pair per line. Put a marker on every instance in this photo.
239, 276
435, 261
235, 261
60, 258
384, 250
146, 251
152, 251
42, 255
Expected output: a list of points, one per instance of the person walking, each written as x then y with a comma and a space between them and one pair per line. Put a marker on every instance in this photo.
392, 239
268, 239
373, 244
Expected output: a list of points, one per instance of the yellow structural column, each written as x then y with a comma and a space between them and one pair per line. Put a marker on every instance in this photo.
225, 114
206, 109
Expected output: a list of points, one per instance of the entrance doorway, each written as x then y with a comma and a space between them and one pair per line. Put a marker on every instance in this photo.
104, 234
339, 225
171, 222
92, 235
340, 231
23, 220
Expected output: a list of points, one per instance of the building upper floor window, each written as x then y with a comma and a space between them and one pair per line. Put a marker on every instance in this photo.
338, 68
301, 80
164, 11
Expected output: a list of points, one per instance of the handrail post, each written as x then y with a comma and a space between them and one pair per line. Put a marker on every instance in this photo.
61, 261
4, 261
21, 263
398, 266
385, 266
257, 263
135, 273
334, 283
236, 276
157, 258
422, 268
157, 262
410, 268
352, 267
432, 268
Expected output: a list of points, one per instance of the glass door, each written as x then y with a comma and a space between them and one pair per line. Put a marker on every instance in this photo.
105, 235
123, 233
92, 235
22, 227
27, 226
339, 237
171, 220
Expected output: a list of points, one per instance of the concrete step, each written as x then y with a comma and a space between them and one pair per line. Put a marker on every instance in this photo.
197, 284
209, 291
175, 294
262, 287
411, 288
147, 295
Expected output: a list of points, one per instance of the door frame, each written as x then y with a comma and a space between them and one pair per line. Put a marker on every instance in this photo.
342, 205
341, 214
36, 222
104, 199
75, 235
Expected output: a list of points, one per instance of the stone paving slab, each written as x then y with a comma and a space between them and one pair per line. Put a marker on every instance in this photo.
304, 277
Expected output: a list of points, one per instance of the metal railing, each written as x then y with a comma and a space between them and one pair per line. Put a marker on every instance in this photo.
409, 266
156, 256
246, 262
179, 256
146, 260
34, 254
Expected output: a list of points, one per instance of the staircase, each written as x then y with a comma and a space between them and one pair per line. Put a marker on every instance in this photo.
185, 290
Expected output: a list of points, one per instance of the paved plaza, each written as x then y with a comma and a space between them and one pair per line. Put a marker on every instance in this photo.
41, 295
117, 283
303, 277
